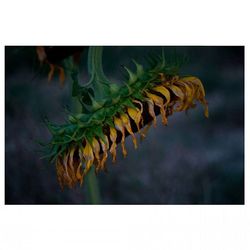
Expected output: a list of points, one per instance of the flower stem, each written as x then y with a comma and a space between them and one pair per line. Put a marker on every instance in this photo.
93, 192
98, 80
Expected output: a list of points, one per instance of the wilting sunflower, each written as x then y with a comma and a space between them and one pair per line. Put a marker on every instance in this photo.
110, 115
54, 55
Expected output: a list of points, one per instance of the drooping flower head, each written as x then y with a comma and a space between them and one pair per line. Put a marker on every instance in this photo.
91, 136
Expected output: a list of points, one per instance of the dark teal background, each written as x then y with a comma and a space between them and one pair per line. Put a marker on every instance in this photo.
193, 160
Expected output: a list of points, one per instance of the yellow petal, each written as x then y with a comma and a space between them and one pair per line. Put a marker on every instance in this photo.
88, 156
72, 162
119, 126
113, 136
79, 174
151, 110
177, 91
138, 102
164, 91
135, 115
195, 81
96, 150
206, 113
65, 163
141, 109
188, 91
105, 146
126, 123
68, 176
124, 151
71, 156
198, 91
159, 102
145, 130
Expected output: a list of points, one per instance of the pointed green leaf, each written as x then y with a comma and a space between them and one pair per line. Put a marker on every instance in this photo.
139, 69
132, 76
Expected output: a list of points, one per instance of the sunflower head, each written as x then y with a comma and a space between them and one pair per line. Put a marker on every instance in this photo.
89, 137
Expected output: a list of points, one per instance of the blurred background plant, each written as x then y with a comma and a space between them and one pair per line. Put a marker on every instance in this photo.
191, 161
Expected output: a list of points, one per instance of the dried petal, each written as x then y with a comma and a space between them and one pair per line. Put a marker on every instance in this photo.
141, 109
71, 169
113, 136
96, 150
135, 115
159, 102
188, 95
60, 172
105, 146
151, 110
79, 173
198, 91
88, 156
145, 131
126, 123
177, 91
65, 163
164, 91
119, 126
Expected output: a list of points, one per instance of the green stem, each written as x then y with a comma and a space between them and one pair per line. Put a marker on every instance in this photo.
93, 192
98, 79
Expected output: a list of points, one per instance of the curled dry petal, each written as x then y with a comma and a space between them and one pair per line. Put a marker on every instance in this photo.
144, 131
60, 172
126, 123
159, 102
164, 91
135, 115
96, 150
105, 147
88, 156
177, 91
151, 110
119, 126
113, 136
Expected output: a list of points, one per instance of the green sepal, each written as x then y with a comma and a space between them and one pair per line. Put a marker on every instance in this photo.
98, 117
114, 88
72, 119
132, 77
96, 104
83, 117
128, 103
138, 95
139, 69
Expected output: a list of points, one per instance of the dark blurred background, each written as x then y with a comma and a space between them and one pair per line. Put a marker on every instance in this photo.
193, 160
